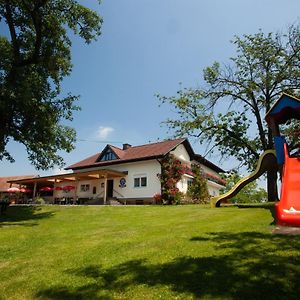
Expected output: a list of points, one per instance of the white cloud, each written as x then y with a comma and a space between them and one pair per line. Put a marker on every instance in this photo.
104, 132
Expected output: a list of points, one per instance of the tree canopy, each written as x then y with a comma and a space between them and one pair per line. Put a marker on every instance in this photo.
35, 57
227, 112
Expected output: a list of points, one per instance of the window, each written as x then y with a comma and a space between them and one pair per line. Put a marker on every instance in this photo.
108, 155
143, 181
84, 188
136, 182
94, 190
140, 181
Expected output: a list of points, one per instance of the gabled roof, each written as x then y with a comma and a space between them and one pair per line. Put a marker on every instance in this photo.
134, 153
117, 151
140, 153
285, 108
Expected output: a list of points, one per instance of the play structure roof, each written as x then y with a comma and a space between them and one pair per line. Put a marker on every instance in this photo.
285, 108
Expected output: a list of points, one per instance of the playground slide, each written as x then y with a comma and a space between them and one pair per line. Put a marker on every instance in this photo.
288, 208
266, 162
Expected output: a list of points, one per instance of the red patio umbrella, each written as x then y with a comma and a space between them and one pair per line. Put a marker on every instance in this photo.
69, 187
46, 189
13, 190
25, 190
58, 188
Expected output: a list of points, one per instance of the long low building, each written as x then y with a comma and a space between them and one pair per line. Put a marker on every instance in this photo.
127, 175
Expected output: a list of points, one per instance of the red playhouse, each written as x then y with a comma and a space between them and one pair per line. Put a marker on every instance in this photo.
288, 208
287, 107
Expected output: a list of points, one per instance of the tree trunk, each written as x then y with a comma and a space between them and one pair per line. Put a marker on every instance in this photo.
272, 185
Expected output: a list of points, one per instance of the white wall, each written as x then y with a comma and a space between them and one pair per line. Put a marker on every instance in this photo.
182, 185
181, 153
148, 169
214, 188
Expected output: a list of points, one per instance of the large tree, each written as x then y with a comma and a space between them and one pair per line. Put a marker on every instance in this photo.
228, 110
35, 57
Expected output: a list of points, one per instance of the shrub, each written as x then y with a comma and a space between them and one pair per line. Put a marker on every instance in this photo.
171, 172
157, 198
197, 191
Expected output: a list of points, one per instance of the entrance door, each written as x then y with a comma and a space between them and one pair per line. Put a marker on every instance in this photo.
110, 188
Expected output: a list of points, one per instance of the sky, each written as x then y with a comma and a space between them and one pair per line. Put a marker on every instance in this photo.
149, 47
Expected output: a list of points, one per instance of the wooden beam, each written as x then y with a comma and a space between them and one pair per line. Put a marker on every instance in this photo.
70, 178
105, 190
34, 190
97, 176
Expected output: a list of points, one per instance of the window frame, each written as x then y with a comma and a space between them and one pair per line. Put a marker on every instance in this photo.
108, 155
85, 187
140, 181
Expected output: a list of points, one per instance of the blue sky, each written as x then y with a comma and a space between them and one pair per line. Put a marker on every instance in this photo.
149, 47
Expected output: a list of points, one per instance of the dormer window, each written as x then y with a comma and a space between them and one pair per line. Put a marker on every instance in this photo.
108, 155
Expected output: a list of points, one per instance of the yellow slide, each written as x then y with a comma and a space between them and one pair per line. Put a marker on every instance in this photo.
266, 161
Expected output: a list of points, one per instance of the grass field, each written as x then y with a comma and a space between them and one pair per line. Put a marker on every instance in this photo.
145, 252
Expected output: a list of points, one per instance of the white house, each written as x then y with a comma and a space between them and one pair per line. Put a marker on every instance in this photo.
128, 175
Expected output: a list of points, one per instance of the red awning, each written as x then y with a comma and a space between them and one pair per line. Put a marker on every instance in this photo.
46, 189
69, 187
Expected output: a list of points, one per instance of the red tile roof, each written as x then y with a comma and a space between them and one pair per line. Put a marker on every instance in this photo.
119, 152
4, 185
134, 153
143, 152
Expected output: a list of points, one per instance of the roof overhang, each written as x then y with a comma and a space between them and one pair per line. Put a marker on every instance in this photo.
200, 159
285, 108
71, 177
116, 162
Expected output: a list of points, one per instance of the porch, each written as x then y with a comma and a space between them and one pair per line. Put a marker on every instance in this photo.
89, 187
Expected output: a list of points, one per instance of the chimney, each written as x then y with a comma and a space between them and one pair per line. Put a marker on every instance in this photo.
126, 146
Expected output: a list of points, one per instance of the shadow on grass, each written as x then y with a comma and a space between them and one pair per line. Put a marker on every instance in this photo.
266, 205
246, 265
16, 215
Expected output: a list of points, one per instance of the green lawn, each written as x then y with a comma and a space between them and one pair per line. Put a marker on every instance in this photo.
145, 252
